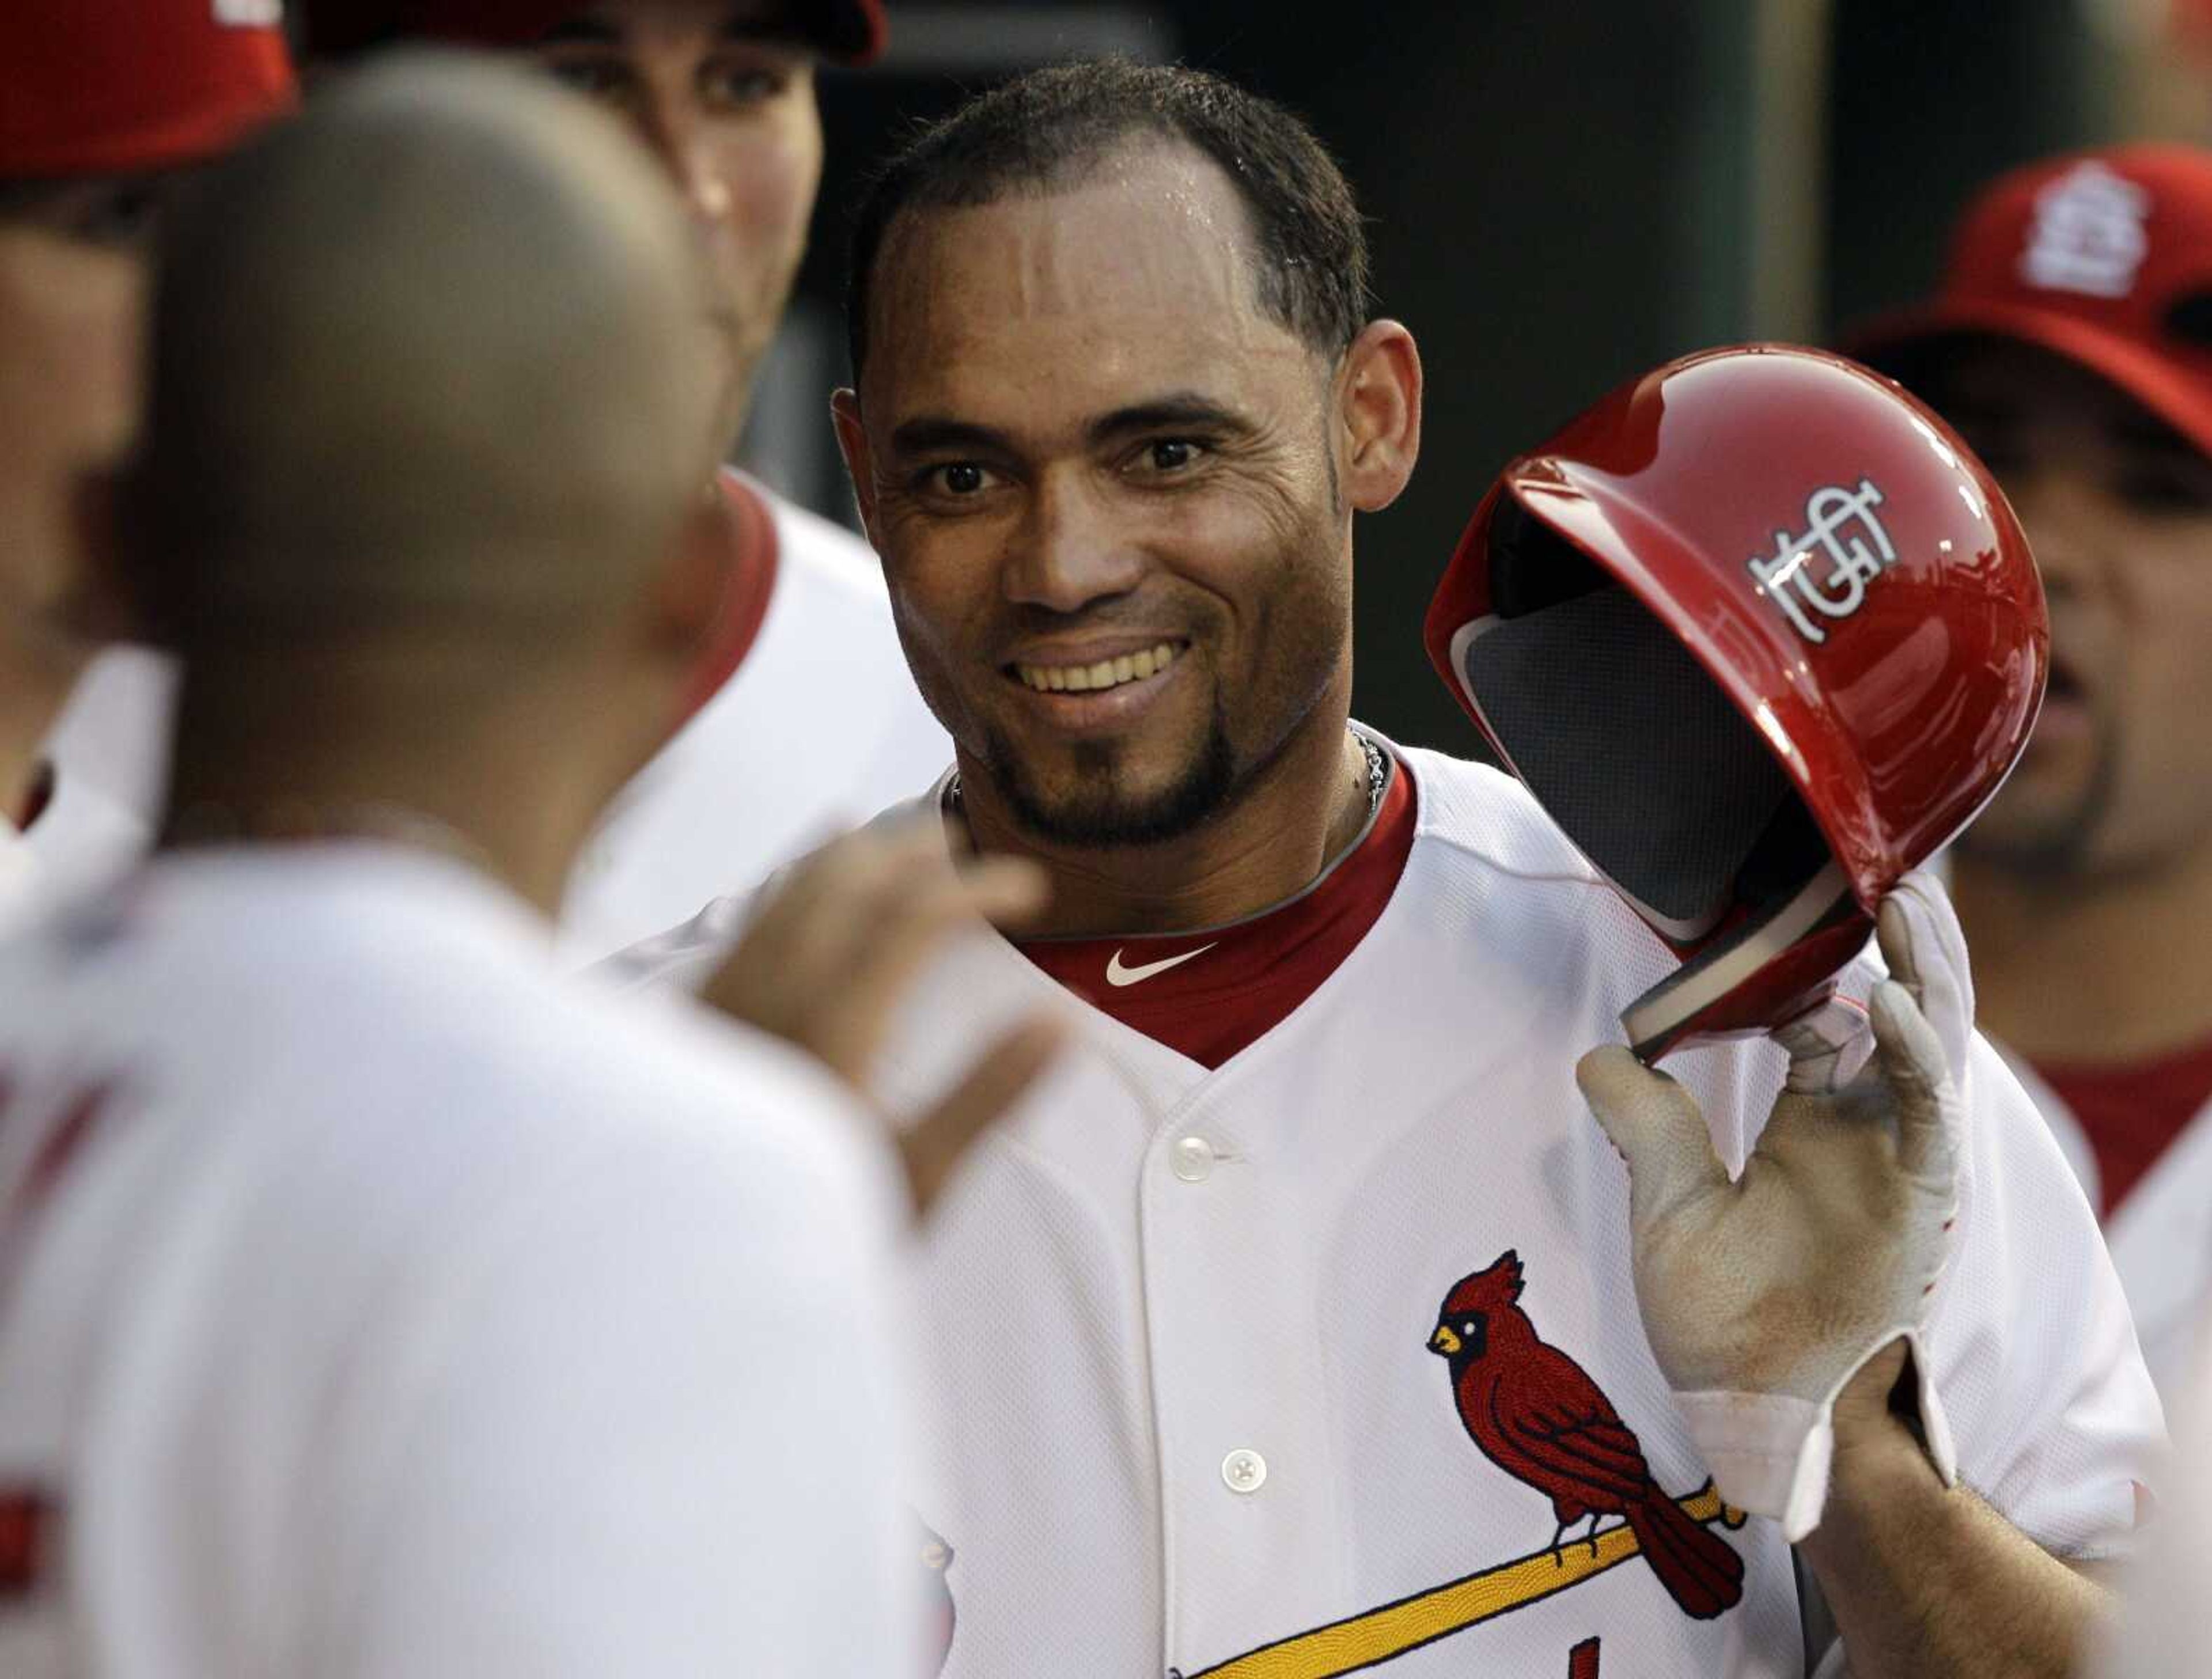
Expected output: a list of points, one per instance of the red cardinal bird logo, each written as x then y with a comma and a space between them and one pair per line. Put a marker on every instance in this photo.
1536, 1413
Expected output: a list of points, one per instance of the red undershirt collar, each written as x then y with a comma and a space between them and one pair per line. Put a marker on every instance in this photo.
1209, 993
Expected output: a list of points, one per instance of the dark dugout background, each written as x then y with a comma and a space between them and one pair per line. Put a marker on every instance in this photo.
1561, 193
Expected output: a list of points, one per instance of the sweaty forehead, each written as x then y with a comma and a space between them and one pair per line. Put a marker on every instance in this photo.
1140, 272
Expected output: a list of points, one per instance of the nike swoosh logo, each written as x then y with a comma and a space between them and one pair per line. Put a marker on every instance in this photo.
1118, 974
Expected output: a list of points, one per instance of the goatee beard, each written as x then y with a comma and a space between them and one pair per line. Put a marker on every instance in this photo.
1101, 820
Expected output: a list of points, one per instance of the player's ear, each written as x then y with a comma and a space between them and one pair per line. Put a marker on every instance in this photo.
1378, 397
860, 465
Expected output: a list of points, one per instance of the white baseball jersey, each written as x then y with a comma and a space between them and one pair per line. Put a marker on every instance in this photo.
1190, 1416
818, 728
2161, 1236
372, 1302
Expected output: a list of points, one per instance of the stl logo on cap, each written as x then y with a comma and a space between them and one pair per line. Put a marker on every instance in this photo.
2088, 235
1787, 577
249, 14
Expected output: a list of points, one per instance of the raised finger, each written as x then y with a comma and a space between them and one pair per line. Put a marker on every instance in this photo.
1910, 1055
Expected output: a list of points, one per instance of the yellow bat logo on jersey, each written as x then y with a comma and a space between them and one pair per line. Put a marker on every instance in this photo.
1380, 1635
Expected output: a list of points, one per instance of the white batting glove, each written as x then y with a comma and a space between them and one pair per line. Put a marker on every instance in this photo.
1763, 1297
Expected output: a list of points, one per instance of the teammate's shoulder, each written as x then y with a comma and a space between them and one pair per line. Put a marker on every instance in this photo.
1491, 819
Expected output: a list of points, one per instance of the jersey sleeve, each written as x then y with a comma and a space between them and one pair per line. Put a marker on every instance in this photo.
652, 1425
2057, 1421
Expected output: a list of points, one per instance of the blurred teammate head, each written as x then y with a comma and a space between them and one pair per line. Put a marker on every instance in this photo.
102, 104
720, 92
426, 423
2071, 342
1117, 401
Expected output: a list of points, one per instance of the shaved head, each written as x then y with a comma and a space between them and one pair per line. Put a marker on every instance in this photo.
433, 358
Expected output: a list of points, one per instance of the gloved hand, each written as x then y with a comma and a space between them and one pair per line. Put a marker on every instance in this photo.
1764, 1296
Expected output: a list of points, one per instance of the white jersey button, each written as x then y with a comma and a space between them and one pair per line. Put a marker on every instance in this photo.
1244, 1470
1191, 1159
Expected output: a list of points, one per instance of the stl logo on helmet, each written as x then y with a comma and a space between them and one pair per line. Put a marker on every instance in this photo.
1840, 524
2088, 234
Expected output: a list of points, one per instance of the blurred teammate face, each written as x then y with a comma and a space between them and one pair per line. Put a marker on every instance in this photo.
2118, 508
72, 280
723, 94
1103, 483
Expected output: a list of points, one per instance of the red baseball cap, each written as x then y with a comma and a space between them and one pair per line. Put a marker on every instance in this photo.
850, 31
115, 87
2102, 256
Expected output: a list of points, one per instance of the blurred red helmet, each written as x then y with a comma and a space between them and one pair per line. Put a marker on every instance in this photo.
118, 86
1760, 634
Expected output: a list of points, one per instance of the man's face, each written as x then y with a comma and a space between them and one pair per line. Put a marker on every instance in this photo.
722, 93
1086, 454
72, 282
2119, 509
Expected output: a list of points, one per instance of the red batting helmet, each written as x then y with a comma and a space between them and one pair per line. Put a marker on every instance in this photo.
1760, 634
119, 87
850, 31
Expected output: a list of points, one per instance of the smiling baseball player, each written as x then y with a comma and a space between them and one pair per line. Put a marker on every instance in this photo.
1303, 1321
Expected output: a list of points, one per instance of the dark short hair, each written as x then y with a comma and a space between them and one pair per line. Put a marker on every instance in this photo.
1050, 128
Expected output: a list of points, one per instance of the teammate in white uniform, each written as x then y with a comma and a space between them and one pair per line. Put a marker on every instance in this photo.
803, 720
2068, 342
1291, 1330
373, 1301
99, 103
